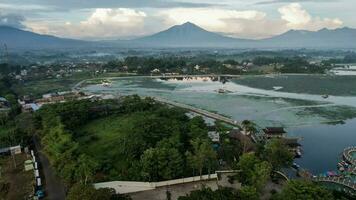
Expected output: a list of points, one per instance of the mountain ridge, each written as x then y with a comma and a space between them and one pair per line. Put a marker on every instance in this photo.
189, 35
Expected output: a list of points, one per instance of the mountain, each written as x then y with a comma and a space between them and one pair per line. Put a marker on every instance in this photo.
19, 39
341, 38
188, 35
191, 35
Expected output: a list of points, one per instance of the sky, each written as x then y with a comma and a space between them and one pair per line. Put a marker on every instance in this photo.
125, 19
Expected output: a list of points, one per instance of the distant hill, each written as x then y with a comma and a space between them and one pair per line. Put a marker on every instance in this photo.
20, 39
189, 35
324, 38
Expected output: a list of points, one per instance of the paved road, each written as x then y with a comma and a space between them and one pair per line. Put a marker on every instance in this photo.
54, 187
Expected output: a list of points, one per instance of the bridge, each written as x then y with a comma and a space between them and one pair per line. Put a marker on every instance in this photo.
348, 184
348, 157
198, 111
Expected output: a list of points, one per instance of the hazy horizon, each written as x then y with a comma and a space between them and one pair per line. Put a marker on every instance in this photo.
125, 19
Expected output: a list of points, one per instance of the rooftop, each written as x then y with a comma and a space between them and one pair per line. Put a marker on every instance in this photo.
274, 130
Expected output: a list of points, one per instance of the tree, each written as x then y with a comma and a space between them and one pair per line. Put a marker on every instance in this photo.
162, 162
230, 150
85, 169
303, 190
203, 155
209, 194
197, 128
249, 126
248, 193
253, 172
262, 173
88, 192
278, 154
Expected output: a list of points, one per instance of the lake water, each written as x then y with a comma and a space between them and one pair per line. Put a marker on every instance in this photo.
297, 102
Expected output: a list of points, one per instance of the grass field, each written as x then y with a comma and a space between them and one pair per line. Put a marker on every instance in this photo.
101, 140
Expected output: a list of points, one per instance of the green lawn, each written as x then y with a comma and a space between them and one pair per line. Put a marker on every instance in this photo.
101, 139
102, 134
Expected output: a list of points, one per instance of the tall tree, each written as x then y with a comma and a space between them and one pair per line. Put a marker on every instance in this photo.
278, 154
202, 155
303, 190
86, 168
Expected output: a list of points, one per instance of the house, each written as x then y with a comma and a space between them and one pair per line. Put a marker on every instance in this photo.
3, 103
246, 141
155, 71
214, 136
30, 107
274, 132
14, 150
293, 145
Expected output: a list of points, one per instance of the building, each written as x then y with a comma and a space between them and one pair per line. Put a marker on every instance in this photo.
274, 132
4, 103
30, 107
246, 141
293, 145
214, 136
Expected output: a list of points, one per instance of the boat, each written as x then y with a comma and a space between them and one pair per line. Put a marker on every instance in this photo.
106, 84
298, 153
295, 166
277, 88
325, 96
223, 91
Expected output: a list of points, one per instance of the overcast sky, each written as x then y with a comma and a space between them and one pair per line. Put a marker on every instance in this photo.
108, 19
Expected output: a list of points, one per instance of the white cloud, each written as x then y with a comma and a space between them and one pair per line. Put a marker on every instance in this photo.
102, 23
249, 23
213, 19
298, 18
128, 23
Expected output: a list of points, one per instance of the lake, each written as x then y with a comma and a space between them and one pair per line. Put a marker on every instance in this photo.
318, 108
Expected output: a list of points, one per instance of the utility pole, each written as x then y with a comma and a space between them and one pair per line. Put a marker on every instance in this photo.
6, 54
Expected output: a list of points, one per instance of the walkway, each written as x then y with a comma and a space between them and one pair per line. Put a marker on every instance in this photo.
348, 155
348, 183
199, 111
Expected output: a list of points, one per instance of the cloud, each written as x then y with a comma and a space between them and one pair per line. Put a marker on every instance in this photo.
102, 23
213, 19
92, 4
298, 18
249, 23
12, 20
291, 1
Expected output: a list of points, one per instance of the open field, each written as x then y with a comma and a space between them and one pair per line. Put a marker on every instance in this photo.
42, 86
15, 183
100, 139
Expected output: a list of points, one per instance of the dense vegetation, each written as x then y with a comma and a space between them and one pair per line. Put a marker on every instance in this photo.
293, 190
15, 128
150, 142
